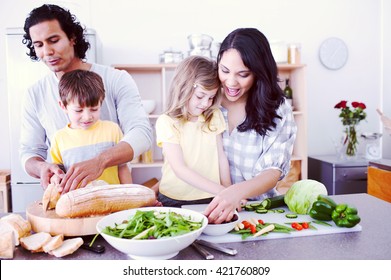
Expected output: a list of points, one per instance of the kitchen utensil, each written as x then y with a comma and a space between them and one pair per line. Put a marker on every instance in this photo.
216, 247
200, 41
49, 221
163, 248
205, 253
96, 248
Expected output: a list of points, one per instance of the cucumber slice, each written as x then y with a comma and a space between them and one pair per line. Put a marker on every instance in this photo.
291, 216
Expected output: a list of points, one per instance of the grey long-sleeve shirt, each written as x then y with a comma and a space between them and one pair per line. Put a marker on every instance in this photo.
42, 115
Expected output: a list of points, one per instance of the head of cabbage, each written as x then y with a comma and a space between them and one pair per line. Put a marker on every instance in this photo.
302, 194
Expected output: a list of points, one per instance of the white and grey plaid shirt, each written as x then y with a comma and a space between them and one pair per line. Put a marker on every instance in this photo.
250, 153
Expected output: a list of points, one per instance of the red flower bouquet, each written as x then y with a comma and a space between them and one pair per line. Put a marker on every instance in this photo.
350, 118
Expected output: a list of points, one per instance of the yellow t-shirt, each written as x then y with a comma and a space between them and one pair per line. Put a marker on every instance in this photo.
199, 147
70, 146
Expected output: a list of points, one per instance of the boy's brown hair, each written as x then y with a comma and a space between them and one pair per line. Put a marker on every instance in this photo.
85, 87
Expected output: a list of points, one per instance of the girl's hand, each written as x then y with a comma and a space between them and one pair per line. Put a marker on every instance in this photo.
223, 206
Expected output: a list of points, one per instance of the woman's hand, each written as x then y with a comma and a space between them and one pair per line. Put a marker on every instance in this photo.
223, 206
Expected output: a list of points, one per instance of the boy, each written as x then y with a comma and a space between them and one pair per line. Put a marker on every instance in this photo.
81, 95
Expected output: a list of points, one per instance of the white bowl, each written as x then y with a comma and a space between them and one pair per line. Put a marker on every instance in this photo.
157, 249
149, 105
221, 229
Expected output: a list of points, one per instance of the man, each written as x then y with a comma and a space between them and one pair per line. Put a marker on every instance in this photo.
53, 35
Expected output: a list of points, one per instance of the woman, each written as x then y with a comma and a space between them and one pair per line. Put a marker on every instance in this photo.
261, 129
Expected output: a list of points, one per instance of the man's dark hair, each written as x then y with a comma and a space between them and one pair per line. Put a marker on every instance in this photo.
68, 23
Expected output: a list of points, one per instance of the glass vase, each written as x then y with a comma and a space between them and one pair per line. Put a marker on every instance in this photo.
350, 140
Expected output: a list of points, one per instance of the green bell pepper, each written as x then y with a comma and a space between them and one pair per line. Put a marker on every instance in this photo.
322, 208
345, 216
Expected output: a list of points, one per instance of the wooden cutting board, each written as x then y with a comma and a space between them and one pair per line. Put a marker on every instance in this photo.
49, 221
279, 218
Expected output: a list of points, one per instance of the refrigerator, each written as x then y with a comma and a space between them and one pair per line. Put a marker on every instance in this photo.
22, 73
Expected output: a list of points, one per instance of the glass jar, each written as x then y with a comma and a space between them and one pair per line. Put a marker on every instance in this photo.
294, 53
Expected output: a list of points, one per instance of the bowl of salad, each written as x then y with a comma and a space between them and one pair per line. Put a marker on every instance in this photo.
152, 232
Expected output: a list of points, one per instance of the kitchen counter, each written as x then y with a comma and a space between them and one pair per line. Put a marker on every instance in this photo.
373, 242
382, 164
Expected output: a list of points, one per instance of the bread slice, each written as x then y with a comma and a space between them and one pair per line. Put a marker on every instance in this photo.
50, 197
54, 243
68, 247
7, 242
20, 226
36, 241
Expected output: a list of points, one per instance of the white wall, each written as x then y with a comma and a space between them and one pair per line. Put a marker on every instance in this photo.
138, 31
386, 73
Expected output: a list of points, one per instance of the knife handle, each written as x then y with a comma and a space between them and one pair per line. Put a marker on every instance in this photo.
203, 252
217, 247
94, 248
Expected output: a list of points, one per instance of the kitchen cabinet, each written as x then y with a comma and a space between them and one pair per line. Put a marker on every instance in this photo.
379, 179
153, 81
339, 176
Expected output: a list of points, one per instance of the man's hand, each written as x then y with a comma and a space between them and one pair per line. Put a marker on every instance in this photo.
48, 172
80, 174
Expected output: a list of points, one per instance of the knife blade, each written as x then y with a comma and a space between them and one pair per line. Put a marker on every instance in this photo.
217, 247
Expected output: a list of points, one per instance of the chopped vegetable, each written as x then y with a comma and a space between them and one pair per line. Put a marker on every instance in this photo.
291, 216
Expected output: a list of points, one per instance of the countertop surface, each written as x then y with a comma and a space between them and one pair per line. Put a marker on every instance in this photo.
335, 161
382, 164
373, 242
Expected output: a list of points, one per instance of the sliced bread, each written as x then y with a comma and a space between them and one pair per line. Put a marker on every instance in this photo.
68, 247
36, 241
54, 243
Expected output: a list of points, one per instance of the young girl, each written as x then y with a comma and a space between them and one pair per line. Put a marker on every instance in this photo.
81, 95
195, 167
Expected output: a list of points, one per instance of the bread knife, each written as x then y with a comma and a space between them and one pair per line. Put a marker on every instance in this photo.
217, 247
96, 248
203, 251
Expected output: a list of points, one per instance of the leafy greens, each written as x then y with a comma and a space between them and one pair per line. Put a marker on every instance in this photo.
153, 225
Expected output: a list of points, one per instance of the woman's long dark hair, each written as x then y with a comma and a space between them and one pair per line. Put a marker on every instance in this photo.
265, 96
68, 23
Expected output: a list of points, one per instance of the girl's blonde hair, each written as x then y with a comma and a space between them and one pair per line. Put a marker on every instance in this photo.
192, 72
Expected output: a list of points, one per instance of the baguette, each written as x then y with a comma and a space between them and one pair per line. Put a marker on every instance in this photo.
19, 226
101, 200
